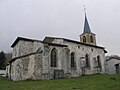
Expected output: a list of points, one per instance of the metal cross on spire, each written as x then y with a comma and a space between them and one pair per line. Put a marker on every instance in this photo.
84, 9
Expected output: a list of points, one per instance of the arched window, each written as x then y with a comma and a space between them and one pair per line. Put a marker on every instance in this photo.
84, 39
91, 39
98, 60
67, 54
87, 60
72, 59
54, 58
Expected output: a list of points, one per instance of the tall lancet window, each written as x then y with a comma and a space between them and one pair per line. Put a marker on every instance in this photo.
84, 39
72, 60
54, 58
98, 60
87, 60
91, 39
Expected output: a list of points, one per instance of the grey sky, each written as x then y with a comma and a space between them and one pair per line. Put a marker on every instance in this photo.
61, 18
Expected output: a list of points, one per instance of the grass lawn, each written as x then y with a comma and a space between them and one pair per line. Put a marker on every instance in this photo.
94, 82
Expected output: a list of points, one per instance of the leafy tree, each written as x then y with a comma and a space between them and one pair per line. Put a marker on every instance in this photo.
2, 60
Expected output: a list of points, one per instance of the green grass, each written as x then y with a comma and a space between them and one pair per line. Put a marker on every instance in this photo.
94, 82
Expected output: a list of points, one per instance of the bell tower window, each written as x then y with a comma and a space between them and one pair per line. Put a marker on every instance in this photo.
84, 39
91, 39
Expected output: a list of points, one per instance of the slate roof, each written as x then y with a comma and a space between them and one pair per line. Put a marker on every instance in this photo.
86, 26
22, 38
50, 39
108, 58
32, 40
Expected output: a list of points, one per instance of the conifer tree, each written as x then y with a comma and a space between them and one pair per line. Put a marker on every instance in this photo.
2, 60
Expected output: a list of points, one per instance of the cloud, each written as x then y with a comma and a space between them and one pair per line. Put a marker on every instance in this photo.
62, 18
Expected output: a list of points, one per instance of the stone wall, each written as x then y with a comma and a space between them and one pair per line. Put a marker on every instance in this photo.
28, 67
111, 62
58, 41
25, 47
61, 58
34, 59
37, 66
80, 52
8, 71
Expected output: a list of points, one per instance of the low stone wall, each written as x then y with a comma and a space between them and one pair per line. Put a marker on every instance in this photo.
2, 72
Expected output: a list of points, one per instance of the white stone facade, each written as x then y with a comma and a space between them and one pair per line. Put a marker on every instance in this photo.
32, 59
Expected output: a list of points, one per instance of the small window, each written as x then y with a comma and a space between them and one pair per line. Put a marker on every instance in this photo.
78, 46
91, 49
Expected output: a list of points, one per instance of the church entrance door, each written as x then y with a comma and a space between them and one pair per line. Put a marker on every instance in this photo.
117, 68
58, 74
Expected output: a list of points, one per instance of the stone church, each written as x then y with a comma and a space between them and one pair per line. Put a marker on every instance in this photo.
56, 57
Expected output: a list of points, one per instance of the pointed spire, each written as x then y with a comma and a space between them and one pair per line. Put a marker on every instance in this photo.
87, 36
86, 26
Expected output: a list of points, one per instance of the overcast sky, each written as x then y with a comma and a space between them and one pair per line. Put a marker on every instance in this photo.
62, 18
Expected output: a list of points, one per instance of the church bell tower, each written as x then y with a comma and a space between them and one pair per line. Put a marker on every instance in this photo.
87, 36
